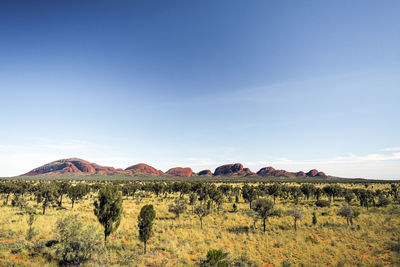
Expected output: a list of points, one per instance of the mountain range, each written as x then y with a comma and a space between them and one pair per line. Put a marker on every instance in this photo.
76, 166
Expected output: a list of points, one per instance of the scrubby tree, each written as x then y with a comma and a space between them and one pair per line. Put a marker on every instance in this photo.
178, 207
201, 211
158, 187
249, 193
192, 200
46, 193
307, 190
349, 213
265, 209
349, 196
328, 191
218, 198
332, 191
296, 193
6, 189
77, 192
337, 191
129, 190
317, 193
108, 209
62, 189
145, 224
297, 215
366, 197
226, 189
274, 190
394, 191
31, 219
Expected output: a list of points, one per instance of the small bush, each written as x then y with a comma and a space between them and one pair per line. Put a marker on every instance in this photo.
314, 218
395, 246
215, 257
243, 261
76, 244
322, 203
383, 201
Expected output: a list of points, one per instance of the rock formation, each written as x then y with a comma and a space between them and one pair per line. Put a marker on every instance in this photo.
179, 171
71, 166
232, 170
143, 169
205, 172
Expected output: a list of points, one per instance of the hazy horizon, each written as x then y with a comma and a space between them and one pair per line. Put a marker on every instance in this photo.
291, 85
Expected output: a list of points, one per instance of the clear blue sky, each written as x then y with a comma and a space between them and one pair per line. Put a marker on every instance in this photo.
292, 84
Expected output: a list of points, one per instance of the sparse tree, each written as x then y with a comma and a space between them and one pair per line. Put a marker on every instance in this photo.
296, 193
349, 196
201, 211
108, 209
193, 200
349, 213
62, 189
6, 188
274, 190
317, 193
265, 209
77, 192
307, 190
249, 193
178, 207
46, 193
31, 219
145, 223
297, 215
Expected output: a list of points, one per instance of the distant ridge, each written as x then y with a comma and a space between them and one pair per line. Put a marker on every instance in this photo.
77, 166
71, 166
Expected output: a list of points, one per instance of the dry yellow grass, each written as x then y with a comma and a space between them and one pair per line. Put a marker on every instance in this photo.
181, 242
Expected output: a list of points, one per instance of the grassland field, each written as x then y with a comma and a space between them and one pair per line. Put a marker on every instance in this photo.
372, 240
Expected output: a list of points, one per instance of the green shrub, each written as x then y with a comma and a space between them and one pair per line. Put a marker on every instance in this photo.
76, 244
383, 201
215, 257
314, 218
322, 203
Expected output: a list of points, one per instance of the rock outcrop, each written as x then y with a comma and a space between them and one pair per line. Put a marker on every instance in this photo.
271, 172
76, 166
232, 170
71, 166
301, 174
315, 173
204, 172
248, 172
312, 173
181, 172
143, 169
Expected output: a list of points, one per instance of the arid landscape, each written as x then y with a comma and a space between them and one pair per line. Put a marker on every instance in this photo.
212, 133
233, 217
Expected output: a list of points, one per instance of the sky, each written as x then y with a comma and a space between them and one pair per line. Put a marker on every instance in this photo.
295, 85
